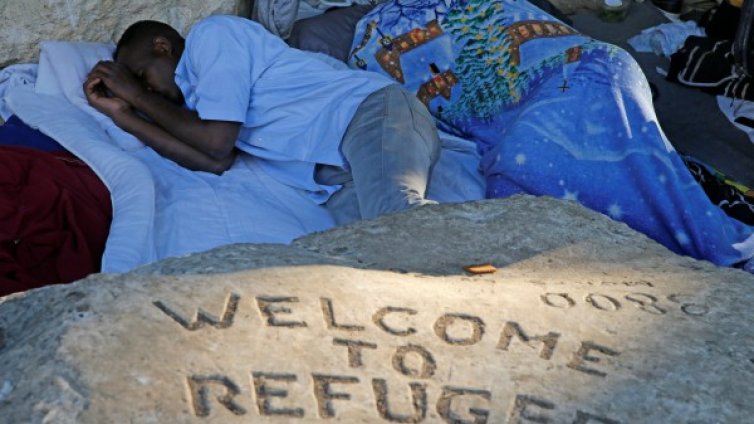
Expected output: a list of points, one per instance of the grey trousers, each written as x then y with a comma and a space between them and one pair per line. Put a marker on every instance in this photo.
390, 147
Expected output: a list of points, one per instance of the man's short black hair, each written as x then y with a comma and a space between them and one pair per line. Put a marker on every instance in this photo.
145, 31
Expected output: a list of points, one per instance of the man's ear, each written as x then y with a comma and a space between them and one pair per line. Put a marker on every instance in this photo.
162, 45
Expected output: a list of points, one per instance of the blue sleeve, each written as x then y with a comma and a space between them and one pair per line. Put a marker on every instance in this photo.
220, 58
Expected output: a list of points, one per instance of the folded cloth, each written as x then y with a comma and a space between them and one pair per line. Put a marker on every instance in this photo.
15, 133
709, 64
54, 219
665, 39
24, 74
277, 16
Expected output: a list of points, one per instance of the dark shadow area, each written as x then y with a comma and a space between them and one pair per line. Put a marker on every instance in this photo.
690, 118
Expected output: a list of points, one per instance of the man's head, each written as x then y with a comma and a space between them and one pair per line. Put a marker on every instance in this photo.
151, 50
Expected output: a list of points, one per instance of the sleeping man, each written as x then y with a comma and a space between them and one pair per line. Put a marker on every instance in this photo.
355, 140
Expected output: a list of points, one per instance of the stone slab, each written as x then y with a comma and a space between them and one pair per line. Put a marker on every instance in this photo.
24, 23
584, 321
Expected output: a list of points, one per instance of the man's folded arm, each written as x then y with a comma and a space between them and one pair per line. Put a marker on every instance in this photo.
213, 138
172, 148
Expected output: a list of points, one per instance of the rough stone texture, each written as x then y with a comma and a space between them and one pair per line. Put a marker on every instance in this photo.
24, 23
585, 321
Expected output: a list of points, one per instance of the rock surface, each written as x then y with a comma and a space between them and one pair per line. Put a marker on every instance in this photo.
24, 23
584, 321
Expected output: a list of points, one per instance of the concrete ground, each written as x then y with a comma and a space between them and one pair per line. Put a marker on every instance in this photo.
690, 118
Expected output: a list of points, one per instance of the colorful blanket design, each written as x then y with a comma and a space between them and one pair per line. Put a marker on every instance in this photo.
552, 112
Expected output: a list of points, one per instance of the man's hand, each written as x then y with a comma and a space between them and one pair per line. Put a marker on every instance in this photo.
171, 130
118, 79
96, 95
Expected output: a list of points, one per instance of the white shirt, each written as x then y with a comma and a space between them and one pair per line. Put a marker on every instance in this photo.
294, 108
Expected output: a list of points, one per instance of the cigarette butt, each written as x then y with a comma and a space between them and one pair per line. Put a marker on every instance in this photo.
480, 268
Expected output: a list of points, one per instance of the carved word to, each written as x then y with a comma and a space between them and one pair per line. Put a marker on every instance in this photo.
279, 394
416, 361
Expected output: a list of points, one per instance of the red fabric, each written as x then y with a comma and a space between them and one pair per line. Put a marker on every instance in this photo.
55, 216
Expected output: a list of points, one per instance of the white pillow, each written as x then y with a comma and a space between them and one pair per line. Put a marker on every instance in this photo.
63, 67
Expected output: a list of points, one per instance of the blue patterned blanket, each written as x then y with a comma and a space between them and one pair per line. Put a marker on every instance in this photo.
552, 112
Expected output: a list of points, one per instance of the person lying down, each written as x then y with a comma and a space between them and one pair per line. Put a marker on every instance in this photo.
552, 112
357, 141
